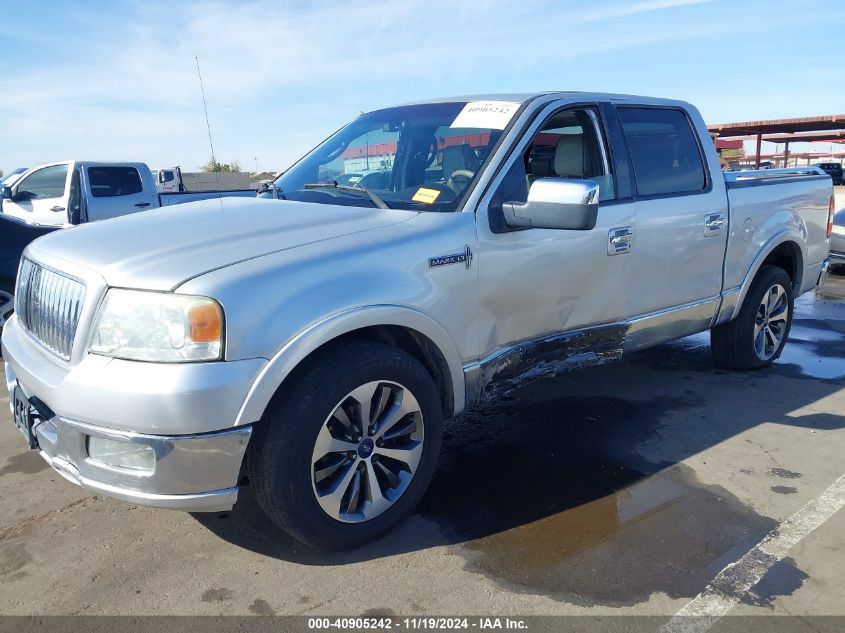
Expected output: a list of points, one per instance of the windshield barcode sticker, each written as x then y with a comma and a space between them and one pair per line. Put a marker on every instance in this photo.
492, 115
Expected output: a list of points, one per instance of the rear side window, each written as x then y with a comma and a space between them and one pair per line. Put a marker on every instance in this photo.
664, 151
108, 182
44, 183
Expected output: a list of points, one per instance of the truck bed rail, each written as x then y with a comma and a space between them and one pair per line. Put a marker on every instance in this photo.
763, 176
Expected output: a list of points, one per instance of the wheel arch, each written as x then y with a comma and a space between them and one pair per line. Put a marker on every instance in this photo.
783, 250
406, 328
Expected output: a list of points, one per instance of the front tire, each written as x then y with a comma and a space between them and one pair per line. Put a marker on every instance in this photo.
755, 338
349, 447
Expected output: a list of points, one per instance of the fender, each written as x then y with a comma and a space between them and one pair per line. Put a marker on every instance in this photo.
779, 238
305, 342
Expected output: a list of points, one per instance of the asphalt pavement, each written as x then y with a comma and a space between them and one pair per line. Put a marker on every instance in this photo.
644, 487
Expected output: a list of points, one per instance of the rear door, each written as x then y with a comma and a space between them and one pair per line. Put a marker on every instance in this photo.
115, 190
681, 225
41, 197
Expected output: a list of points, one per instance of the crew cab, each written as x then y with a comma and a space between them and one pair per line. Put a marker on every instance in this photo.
316, 341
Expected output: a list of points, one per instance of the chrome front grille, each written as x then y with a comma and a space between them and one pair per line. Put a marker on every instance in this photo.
48, 305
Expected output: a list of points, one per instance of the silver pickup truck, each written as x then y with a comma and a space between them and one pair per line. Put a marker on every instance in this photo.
315, 342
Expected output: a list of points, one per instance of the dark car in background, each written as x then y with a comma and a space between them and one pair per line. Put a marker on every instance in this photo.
837, 240
834, 170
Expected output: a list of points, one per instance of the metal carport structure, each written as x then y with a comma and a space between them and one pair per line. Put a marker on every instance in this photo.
829, 128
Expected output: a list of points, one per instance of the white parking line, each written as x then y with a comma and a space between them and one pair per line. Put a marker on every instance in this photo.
735, 580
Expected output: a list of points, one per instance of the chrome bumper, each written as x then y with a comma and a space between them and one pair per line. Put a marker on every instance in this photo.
195, 473
823, 273
196, 464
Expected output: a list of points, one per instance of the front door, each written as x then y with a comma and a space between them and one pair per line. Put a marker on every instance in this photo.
551, 297
42, 196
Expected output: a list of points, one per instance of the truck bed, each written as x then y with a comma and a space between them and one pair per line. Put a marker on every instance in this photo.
763, 203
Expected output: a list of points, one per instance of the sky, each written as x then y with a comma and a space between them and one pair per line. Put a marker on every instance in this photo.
118, 80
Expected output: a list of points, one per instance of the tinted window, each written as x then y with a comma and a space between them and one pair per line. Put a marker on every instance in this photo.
44, 183
168, 175
108, 182
664, 151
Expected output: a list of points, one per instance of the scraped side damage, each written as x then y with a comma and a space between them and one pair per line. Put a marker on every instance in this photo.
548, 357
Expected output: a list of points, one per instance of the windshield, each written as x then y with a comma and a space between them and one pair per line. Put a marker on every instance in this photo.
421, 157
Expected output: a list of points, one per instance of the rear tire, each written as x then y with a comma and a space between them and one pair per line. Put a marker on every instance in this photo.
329, 473
755, 338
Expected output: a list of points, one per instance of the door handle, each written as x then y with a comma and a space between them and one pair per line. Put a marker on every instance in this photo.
620, 240
57, 209
713, 224
142, 204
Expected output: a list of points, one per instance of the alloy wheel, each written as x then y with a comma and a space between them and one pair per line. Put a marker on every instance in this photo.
367, 451
770, 322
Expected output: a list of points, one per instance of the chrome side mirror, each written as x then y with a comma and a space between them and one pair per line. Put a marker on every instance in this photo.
556, 203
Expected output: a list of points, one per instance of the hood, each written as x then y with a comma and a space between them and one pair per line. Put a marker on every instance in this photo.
162, 248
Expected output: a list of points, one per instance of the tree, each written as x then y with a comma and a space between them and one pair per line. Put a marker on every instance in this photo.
1, 173
213, 165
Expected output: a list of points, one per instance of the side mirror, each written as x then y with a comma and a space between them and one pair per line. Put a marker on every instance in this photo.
6, 193
556, 203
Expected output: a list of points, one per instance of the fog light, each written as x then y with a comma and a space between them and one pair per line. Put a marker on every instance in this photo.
121, 454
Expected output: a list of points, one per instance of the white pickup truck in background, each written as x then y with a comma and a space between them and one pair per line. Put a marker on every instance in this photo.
65, 193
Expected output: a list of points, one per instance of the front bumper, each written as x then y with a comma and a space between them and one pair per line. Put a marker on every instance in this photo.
184, 413
184, 464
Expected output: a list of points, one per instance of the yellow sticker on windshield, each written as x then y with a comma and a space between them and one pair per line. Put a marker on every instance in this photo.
426, 196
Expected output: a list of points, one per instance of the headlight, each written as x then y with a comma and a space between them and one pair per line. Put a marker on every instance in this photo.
839, 230
158, 327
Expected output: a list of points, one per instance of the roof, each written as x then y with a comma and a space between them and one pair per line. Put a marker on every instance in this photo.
522, 97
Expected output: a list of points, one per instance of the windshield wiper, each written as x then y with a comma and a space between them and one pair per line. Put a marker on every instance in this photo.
332, 184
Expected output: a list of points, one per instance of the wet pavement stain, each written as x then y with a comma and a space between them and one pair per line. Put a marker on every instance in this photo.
13, 557
261, 607
783, 473
555, 501
378, 613
667, 534
782, 579
27, 463
217, 595
784, 490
